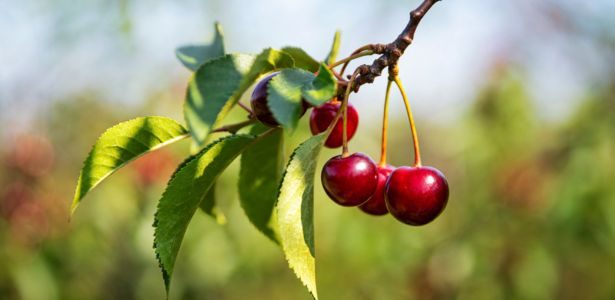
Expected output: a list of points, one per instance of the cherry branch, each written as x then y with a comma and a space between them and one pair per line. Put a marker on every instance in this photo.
233, 128
393, 51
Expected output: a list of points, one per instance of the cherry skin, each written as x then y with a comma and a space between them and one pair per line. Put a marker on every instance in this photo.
322, 116
259, 104
350, 181
416, 195
376, 205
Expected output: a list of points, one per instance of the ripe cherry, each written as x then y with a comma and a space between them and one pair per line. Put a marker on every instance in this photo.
322, 116
416, 195
376, 205
351, 180
259, 104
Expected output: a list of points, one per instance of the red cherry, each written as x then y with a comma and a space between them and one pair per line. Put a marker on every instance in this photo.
350, 181
376, 205
322, 116
259, 104
416, 196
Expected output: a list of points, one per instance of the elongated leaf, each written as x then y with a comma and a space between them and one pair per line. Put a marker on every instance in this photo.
322, 88
208, 206
285, 94
211, 93
302, 59
287, 89
218, 84
261, 170
193, 56
121, 144
335, 48
185, 192
295, 209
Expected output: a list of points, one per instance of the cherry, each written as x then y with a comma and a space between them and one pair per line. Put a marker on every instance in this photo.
416, 195
259, 104
322, 116
376, 205
351, 180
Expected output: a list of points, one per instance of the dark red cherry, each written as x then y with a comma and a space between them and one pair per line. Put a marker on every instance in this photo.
376, 205
350, 181
416, 196
323, 115
260, 106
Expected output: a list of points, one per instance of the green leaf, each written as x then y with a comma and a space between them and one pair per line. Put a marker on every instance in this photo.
302, 59
287, 89
335, 48
261, 169
193, 56
295, 209
285, 94
218, 85
208, 206
212, 93
322, 88
121, 144
185, 192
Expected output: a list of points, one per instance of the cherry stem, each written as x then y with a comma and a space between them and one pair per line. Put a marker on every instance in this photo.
385, 125
350, 58
357, 51
245, 107
344, 110
233, 128
415, 138
267, 133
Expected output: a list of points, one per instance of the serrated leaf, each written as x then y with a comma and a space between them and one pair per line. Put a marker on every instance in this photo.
121, 144
193, 56
185, 192
335, 48
261, 169
212, 93
322, 88
302, 59
218, 85
287, 89
284, 94
295, 209
208, 206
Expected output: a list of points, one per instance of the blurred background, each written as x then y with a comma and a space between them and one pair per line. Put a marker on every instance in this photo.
515, 103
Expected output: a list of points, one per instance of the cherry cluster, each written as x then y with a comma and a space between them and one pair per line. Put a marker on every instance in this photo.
413, 195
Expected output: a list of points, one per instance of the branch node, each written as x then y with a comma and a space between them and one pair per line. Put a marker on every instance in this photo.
393, 51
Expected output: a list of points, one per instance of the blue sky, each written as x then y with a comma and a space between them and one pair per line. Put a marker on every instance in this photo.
54, 49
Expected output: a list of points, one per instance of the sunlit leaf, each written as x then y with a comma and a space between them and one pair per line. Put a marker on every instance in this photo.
211, 93
184, 194
218, 85
285, 94
287, 89
335, 48
302, 59
322, 88
261, 169
193, 56
121, 144
208, 204
209, 207
295, 209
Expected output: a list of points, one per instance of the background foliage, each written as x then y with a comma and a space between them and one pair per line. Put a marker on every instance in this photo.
531, 213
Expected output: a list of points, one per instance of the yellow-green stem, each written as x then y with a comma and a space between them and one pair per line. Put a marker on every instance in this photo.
350, 58
344, 109
415, 138
385, 125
